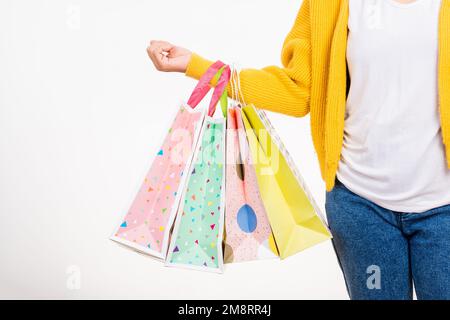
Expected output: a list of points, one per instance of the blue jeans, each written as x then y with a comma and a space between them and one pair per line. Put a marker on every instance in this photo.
383, 252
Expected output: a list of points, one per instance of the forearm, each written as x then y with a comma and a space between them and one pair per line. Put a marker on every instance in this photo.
270, 88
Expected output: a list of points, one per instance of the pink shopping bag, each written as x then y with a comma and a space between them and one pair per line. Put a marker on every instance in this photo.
248, 235
147, 225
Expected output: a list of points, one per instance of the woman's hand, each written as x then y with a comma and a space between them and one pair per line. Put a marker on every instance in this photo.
167, 57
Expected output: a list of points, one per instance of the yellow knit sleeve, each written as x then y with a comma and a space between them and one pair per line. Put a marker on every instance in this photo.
280, 89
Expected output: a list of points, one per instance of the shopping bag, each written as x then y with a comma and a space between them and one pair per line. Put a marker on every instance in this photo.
295, 218
248, 235
146, 226
198, 230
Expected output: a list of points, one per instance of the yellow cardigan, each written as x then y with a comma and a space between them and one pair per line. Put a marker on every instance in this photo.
314, 78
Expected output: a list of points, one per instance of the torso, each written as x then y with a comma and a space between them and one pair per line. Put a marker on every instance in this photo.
392, 152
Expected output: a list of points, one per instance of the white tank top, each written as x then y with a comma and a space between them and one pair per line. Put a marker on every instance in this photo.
393, 154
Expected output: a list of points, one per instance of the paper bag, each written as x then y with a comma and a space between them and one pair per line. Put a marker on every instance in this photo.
296, 220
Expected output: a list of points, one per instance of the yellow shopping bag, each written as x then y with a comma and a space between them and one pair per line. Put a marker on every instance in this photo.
295, 218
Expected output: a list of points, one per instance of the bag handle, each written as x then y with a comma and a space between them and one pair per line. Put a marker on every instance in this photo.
237, 94
203, 85
220, 92
216, 70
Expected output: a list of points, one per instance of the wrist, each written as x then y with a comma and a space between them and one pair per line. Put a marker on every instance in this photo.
197, 66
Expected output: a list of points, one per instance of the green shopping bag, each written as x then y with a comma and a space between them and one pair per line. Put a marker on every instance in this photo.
196, 241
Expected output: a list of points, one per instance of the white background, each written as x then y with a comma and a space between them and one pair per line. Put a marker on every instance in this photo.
81, 114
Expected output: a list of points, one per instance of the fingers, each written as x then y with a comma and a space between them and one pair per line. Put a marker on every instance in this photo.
164, 45
168, 57
158, 51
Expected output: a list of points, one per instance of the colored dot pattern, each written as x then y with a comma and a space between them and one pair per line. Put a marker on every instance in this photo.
148, 220
196, 241
247, 227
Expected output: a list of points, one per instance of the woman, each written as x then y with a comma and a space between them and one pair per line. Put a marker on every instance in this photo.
382, 139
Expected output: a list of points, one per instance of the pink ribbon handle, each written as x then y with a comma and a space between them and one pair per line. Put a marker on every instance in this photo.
219, 90
203, 85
